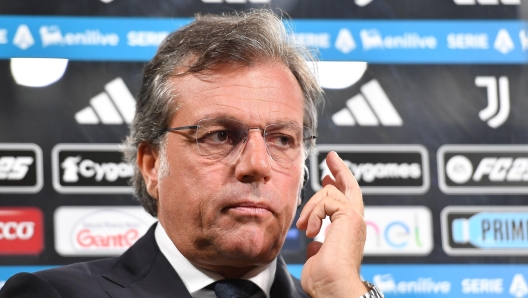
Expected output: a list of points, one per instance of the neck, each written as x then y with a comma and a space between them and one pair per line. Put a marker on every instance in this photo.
226, 271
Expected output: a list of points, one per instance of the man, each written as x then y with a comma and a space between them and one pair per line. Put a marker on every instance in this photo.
225, 120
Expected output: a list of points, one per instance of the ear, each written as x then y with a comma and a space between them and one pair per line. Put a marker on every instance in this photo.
306, 176
148, 163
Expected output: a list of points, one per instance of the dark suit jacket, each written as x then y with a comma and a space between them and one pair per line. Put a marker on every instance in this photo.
142, 271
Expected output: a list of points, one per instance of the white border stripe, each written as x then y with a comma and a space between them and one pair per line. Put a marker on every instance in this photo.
381, 104
123, 99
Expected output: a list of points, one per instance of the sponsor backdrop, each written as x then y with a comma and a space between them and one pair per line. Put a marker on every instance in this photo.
426, 103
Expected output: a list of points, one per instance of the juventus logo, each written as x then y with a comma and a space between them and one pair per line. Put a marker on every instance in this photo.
498, 109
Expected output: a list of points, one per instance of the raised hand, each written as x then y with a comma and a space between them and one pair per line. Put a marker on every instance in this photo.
332, 267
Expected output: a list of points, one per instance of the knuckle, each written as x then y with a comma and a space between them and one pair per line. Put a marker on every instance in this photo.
331, 191
329, 188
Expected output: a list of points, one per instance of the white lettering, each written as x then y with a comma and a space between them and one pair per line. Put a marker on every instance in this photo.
86, 168
145, 38
6, 164
518, 170
52, 36
387, 285
317, 40
372, 39
523, 35
14, 168
499, 170
467, 41
484, 168
16, 230
502, 169
125, 170
482, 286
73, 167
112, 171
3, 36
100, 172
370, 172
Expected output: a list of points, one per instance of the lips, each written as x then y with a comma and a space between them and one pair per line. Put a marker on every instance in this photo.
249, 208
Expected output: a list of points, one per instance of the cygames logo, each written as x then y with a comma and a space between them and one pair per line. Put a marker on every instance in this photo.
379, 169
90, 168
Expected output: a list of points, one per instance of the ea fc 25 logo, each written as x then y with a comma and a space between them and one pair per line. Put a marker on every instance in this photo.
490, 169
485, 230
90, 168
21, 231
20, 168
379, 169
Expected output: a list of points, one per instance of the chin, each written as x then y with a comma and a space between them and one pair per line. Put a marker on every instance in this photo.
252, 248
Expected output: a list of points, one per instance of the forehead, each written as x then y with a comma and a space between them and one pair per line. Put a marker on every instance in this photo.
258, 94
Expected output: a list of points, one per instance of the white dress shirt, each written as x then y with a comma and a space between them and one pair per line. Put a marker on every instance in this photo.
196, 279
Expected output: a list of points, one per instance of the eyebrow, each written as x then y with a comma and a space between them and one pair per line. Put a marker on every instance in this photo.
222, 115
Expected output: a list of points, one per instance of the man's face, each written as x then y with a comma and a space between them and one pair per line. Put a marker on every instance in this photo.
233, 213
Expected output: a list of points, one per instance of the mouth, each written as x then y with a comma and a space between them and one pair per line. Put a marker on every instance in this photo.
249, 209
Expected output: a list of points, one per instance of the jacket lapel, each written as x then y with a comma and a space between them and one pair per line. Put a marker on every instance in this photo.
284, 285
143, 271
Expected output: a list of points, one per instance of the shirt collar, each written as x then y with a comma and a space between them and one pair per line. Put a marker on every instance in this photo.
195, 278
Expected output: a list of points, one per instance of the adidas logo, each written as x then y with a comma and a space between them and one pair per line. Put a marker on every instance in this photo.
371, 107
115, 106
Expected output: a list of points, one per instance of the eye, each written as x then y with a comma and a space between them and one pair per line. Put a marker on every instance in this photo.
218, 137
285, 141
282, 141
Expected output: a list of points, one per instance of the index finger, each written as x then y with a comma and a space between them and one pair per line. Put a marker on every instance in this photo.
344, 179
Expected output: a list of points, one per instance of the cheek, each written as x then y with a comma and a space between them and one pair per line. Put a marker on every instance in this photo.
189, 187
290, 190
176, 187
292, 181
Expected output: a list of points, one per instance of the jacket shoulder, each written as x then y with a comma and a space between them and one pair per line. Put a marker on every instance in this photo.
76, 280
26, 285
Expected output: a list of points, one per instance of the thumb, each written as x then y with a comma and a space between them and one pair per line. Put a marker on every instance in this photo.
313, 248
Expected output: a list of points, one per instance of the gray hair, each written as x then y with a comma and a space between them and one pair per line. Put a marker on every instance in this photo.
210, 41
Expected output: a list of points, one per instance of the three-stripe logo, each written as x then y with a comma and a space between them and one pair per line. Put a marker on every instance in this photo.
371, 107
115, 106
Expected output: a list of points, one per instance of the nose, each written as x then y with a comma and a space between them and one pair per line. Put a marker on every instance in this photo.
254, 162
